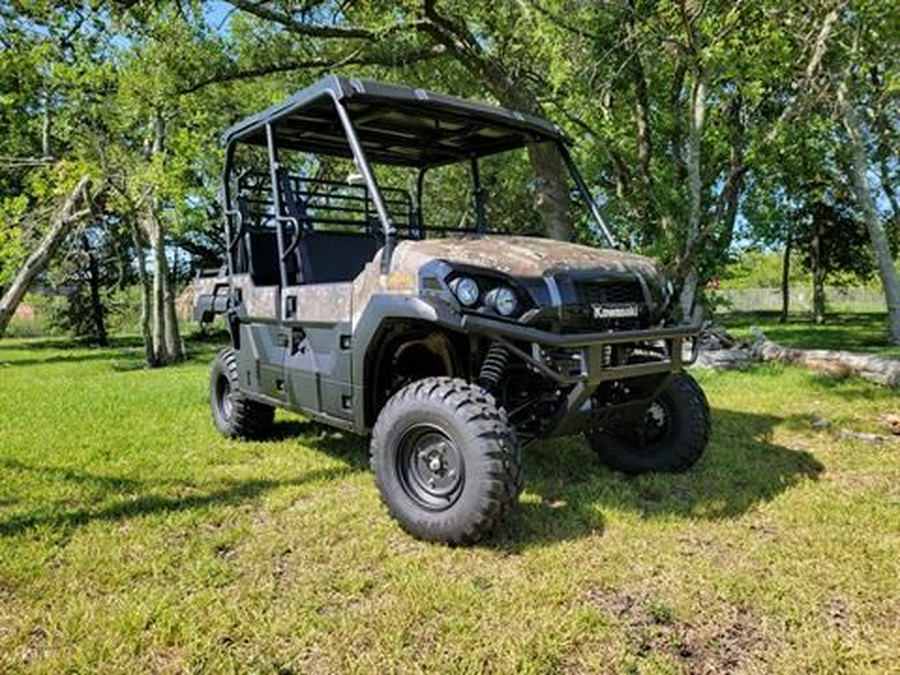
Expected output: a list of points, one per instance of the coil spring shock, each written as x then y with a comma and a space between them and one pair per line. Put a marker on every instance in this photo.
494, 365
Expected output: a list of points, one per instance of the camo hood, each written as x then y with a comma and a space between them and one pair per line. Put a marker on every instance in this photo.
518, 256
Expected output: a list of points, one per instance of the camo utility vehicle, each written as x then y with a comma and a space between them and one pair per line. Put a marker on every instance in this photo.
454, 348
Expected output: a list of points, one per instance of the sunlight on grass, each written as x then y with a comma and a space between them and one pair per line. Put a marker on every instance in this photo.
133, 539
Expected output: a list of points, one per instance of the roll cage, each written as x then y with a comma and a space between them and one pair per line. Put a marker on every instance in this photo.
285, 229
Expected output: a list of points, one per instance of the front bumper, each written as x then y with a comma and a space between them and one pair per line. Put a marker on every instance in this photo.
579, 410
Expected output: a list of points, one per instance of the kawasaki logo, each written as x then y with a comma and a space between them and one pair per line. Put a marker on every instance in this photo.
616, 312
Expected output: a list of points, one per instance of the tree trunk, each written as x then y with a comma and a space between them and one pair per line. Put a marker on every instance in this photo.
550, 172
641, 115
173, 335
46, 128
97, 310
552, 194
37, 261
698, 113
166, 337
818, 274
161, 354
786, 279
873, 367
876, 229
146, 332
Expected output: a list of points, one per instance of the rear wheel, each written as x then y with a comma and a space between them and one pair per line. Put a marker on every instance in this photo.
446, 460
670, 436
234, 415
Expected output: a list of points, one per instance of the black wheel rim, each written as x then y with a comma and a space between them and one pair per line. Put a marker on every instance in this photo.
430, 467
648, 432
655, 426
224, 398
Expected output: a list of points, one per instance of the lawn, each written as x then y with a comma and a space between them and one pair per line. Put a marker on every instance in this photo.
134, 539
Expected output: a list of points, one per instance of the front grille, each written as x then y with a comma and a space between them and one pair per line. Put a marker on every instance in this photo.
578, 313
609, 292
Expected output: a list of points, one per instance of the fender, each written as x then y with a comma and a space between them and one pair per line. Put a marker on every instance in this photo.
380, 309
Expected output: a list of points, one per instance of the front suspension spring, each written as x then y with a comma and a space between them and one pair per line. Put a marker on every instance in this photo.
494, 366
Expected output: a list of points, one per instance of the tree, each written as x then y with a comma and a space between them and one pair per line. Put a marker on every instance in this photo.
855, 42
406, 33
834, 242
689, 118
863, 190
55, 85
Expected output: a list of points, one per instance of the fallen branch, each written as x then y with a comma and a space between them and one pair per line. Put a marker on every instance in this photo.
37, 261
879, 369
851, 435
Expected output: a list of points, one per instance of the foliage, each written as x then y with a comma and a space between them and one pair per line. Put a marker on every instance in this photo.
653, 93
761, 269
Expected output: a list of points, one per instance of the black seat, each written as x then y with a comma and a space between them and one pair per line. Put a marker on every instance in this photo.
264, 257
329, 257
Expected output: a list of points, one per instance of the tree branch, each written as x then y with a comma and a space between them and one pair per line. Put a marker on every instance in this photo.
560, 21
299, 26
812, 69
408, 58
263, 11
727, 197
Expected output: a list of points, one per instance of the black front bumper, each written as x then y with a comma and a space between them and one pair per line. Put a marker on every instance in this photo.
578, 409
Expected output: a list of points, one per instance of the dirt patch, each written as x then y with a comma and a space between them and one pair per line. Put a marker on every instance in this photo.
35, 646
837, 614
764, 530
728, 643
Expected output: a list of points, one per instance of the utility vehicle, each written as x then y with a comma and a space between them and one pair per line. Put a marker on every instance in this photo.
453, 347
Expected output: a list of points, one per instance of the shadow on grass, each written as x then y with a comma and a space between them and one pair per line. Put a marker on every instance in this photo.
100, 354
567, 490
65, 344
566, 493
349, 448
126, 353
851, 388
135, 502
230, 493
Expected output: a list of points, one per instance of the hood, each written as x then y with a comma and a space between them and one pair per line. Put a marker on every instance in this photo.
518, 256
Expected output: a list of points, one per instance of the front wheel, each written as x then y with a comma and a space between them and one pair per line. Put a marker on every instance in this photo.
446, 460
671, 435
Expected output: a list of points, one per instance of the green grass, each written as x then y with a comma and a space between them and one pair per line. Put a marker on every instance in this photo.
855, 332
134, 539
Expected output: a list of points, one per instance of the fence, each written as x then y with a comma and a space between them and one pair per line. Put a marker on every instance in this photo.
769, 299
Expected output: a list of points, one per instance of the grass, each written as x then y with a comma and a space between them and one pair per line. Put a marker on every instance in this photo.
134, 539
855, 332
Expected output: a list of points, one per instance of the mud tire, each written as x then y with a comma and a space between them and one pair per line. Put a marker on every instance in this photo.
234, 415
461, 429
677, 449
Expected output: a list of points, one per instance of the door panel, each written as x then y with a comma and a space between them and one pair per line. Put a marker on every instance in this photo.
261, 358
263, 342
317, 364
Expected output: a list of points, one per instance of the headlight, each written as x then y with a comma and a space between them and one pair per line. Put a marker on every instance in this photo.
503, 300
466, 290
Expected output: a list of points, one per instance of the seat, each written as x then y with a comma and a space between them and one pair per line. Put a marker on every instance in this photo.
264, 257
330, 257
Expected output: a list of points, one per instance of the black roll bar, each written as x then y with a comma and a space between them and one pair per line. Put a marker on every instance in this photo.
276, 201
362, 164
480, 221
587, 196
